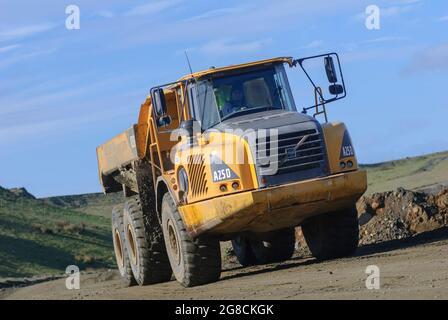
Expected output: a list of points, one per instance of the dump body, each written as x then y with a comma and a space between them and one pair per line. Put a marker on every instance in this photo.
116, 154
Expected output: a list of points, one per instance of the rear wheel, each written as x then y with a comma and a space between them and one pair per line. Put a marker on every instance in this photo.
243, 251
269, 247
193, 261
275, 246
332, 235
145, 245
121, 253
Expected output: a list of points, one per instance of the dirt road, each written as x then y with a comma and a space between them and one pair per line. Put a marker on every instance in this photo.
409, 268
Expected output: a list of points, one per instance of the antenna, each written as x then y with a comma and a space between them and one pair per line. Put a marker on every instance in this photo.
188, 61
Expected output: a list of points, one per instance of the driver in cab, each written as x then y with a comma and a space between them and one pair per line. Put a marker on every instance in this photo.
236, 102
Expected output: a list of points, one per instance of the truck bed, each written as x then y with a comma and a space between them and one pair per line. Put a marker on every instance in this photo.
116, 153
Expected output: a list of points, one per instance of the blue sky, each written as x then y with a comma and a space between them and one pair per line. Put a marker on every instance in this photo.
63, 92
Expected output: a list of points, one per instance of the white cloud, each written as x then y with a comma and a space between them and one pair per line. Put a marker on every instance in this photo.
445, 18
224, 47
49, 95
376, 54
151, 8
395, 11
265, 16
106, 14
5, 63
218, 13
9, 48
35, 129
406, 1
434, 58
358, 48
313, 44
25, 31
384, 39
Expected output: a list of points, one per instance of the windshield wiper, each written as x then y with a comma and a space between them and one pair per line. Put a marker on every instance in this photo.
241, 111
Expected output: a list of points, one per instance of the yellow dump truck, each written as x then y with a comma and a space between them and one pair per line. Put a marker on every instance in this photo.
225, 154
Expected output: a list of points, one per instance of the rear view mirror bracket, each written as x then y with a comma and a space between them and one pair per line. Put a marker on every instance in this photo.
338, 90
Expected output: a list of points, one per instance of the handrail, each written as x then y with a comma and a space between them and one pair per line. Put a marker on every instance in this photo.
319, 102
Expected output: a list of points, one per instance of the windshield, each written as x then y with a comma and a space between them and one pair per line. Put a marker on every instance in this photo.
220, 98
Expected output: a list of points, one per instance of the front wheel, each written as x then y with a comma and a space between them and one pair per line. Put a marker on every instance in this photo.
332, 235
193, 261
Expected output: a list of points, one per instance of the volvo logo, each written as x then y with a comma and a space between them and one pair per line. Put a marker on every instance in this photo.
302, 141
291, 153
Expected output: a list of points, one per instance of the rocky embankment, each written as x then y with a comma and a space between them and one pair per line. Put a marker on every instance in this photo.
396, 215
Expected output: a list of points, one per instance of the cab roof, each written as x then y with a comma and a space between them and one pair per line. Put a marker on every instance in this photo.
212, 70
203, 73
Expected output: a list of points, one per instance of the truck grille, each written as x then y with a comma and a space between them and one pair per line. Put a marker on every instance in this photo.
196, 173
309, 155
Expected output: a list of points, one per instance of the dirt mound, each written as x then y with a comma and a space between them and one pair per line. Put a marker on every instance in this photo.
396, 215
400, 214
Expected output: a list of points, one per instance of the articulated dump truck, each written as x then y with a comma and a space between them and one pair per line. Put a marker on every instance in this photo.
225, 154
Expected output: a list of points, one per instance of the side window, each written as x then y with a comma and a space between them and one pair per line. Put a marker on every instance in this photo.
191, 100
207, 105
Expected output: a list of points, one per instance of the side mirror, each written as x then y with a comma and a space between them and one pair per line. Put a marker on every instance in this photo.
330, 70
159, 101
336, 89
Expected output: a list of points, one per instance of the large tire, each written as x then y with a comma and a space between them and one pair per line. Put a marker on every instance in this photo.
265, 248
145, 245
120, 249
243, 251
275, 246
332, 235
193, 261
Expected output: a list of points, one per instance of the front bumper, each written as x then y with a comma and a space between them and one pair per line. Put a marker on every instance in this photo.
276, 207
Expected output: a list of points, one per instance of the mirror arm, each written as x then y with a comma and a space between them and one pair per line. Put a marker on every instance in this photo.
300, 61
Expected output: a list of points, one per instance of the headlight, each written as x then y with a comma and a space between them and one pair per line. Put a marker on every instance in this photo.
182, 177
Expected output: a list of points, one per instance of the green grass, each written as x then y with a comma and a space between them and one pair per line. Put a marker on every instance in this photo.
409, 173
36, 238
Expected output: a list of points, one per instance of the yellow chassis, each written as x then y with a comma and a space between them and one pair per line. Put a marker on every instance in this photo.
274, 208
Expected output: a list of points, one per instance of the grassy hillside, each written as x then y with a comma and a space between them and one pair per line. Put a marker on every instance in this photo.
409, 173
96, 204
36, 238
